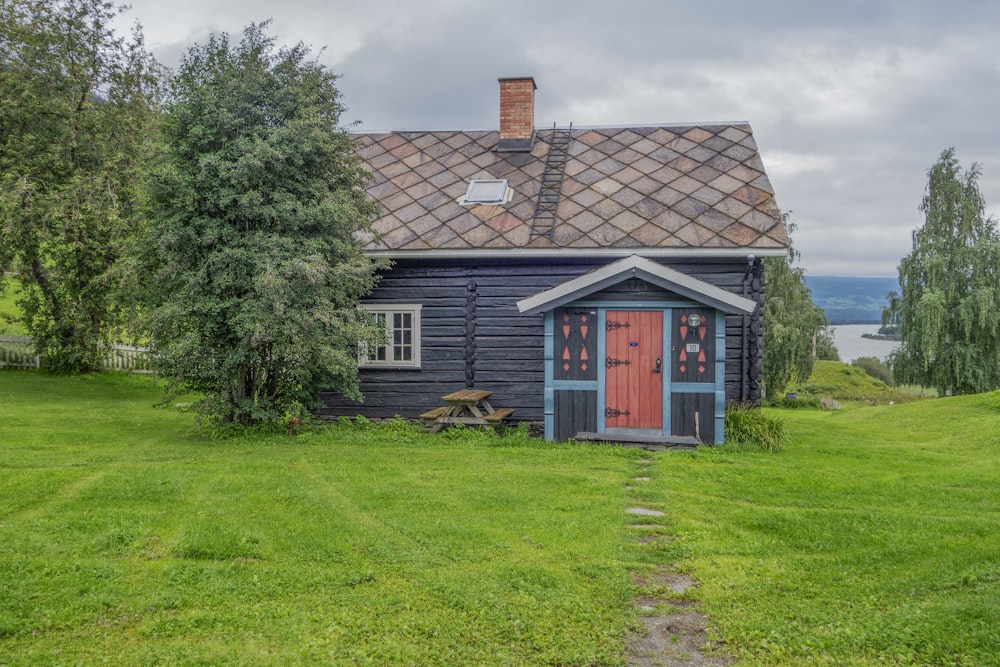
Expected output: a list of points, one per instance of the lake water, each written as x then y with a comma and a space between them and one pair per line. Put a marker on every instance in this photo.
851, 345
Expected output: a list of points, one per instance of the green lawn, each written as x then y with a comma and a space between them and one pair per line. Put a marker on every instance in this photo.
127, 537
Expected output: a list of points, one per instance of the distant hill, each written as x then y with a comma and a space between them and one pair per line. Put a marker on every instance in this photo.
848, 300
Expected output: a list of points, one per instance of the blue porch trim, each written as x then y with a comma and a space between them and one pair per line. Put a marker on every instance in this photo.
548, 356
720, 377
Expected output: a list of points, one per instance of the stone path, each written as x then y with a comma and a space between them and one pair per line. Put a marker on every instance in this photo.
674, 633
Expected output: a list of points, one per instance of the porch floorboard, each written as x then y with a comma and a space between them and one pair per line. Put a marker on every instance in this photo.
641, 441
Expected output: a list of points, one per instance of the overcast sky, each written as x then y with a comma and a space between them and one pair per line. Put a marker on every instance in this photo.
851, 101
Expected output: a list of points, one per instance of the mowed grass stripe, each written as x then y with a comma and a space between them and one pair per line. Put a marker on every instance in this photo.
347, 546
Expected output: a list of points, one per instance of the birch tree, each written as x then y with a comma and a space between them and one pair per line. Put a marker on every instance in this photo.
948, 308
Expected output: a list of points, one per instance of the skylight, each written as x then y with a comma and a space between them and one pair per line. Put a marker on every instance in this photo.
492, 191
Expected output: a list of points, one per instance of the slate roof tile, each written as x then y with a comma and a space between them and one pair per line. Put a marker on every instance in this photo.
738, 153
587, 197
585, 221
627, 221
694, 235
734, 133
661, 136
627, 197
690, 207
627, 175
685, 184
649, 208
591, 157
718, 221
607, 186
667, 195
607, 208
608, 166
701, 154
646, 185
589, 177
740, 235
627, 188
717, 143
628, 137
649, 234
708, 195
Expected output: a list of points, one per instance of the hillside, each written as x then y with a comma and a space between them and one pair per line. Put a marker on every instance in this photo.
851, 300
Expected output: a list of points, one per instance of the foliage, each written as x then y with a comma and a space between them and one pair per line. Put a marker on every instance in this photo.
748, 427
76, 103
806, 400
10, 320
948, 308
826, 347
791, 320
875, 367
253, 266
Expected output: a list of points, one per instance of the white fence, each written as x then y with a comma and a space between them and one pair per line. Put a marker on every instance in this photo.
19, 352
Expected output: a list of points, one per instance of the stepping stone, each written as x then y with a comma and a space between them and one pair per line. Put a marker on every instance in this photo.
640, 479
643, 511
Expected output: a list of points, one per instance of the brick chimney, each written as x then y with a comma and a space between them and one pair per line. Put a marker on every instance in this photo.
517, 113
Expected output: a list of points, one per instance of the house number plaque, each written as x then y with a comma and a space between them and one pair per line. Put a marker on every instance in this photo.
693, 348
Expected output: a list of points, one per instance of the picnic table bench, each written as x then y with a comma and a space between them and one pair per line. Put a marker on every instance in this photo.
468, 406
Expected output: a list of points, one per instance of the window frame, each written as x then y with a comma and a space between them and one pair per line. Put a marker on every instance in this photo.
389, 310
502, 198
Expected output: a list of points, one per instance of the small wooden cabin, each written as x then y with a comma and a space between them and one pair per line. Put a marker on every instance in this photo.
603, 281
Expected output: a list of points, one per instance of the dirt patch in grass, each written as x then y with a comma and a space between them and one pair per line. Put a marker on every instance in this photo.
674, 634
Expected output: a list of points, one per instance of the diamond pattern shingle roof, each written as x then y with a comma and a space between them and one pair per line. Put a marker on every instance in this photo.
623, 188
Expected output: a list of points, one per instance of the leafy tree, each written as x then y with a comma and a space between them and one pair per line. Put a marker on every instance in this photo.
826, 347
791, 321
874, 367
948, 308
254, 263
76, 102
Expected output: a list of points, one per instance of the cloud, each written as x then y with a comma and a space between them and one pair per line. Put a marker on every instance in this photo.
851, 102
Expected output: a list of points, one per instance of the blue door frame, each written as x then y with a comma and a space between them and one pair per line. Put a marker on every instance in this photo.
669, 388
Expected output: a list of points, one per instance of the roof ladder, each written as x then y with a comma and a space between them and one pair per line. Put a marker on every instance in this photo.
555, 169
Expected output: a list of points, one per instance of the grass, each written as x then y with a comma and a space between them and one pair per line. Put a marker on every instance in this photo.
124, 535
127, 537
834, 379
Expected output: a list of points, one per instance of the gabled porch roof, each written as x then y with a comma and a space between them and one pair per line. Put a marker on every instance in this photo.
637, 267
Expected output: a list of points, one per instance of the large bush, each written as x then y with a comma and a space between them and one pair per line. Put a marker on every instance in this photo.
875, 367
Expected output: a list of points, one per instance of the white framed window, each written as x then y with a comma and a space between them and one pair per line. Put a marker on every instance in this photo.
402, 336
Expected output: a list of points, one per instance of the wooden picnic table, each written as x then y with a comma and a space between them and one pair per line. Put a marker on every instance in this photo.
468, 406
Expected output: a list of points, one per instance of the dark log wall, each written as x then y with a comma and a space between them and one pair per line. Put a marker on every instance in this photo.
473, 335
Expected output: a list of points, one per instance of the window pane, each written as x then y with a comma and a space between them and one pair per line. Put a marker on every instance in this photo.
402, 336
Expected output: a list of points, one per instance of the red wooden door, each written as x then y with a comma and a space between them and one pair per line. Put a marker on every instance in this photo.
633, 387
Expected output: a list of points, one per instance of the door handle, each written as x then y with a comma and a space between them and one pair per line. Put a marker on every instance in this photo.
659, 363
